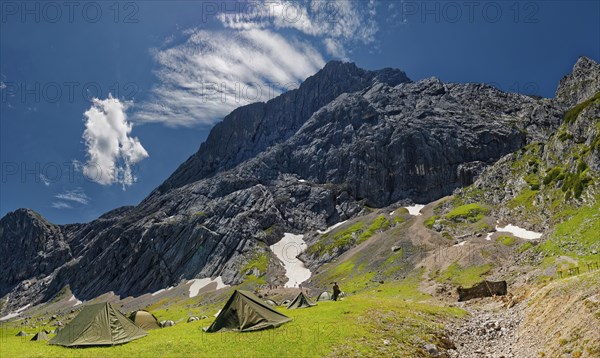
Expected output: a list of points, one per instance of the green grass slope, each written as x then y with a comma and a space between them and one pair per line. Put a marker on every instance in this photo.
388, 320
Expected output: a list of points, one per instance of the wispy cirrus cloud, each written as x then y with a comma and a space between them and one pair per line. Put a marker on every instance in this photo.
61, 205
261, 51
44, 180
337, 23
212, 73
69, 197
76, 195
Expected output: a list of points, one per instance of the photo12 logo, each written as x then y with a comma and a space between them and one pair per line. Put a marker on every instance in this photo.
469, 11
66, 91
70, 12
275, 11
53, 172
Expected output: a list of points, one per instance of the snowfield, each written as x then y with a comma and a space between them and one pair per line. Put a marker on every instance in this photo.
287, 250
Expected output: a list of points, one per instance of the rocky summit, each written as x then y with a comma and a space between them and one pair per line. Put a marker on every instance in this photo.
346, 141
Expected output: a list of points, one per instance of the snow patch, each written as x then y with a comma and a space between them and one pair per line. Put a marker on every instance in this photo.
74, 299
199, 283
302, 180
488, 237
519, 232
15, 313
8, 316
331, 227
287, 250
159, 291
461, 243
162, 290
415, 209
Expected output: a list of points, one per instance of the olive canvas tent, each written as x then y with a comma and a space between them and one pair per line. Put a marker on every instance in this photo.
144, 319
271, 302
301, 301
324, 296
246, 312
40, 336
98, 325
21, 334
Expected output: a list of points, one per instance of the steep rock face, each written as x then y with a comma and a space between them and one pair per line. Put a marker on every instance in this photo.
582, 83
532, 184
381, 141
204, 229
30, 247
251, 129
420, 140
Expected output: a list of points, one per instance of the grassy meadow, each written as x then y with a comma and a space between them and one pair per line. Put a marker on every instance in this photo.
390, 319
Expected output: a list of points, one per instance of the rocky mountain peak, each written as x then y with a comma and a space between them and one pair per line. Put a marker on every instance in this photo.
249, 130
582, 83
339, 70
24, 216
36, 247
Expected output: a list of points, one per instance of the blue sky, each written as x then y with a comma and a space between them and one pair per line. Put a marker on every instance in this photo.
175, 68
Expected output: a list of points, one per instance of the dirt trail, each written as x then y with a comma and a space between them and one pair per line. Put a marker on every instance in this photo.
491, 330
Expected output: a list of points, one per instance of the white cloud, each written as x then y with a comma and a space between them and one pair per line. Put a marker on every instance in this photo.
44, 180
76, 195
214, 72
111, 151
335, 48
344, 21
61, 205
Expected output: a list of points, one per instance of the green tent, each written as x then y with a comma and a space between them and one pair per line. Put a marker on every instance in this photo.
324, 296
40, 336
246, 312
21, 334
98, 325
271, 302
144, 319
301, 301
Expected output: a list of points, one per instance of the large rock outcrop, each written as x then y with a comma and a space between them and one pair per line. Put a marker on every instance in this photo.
31, 246
582, 83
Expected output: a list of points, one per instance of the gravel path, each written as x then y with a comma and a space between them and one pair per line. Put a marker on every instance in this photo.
492, 331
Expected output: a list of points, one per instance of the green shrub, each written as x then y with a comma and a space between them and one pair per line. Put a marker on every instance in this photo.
533, 181
575, 183
469, 212
564, 135
379, 224
552, 175
346, 237
399, 220
430, 221
506, 240
526, 246
259, 260
581, 166
595, 143
572, 114
464, 276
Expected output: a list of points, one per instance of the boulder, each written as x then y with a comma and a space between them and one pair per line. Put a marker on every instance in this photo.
482, 289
